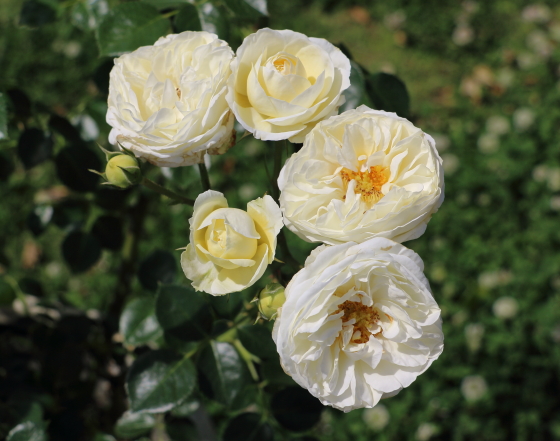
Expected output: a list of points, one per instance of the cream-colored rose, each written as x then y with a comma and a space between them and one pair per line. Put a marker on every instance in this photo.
167, 101
359, 323
230, 248
284, 82
362, 174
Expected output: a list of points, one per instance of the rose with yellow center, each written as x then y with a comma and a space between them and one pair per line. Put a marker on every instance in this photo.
359, 323
362, 174
230, 248
283, 83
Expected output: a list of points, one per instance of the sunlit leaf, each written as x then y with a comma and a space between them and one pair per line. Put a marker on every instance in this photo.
225, 370
160, 380
138, 323
128, 26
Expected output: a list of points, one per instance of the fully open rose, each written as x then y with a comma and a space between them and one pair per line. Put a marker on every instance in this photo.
283, 83
362, 174
359, 323
167, 102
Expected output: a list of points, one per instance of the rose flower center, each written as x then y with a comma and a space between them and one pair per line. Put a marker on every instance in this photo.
368, 183
365, 317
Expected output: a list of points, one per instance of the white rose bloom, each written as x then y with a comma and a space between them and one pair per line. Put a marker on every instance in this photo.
229, 248
359, 323
362, 174
284, 82
167, 101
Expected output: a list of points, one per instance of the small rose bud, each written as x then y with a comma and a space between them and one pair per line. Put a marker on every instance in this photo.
271, 298
123, 171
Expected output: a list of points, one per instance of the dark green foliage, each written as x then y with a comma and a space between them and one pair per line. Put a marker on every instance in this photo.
109, 232
36, 13
248, 427
158, 267
34, 147
80, 251
73, 165
388, 92
183, 313
295, 409
187, 19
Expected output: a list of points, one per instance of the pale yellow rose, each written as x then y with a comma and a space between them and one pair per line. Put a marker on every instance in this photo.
167, 101
362, 174
230, 248
283, 83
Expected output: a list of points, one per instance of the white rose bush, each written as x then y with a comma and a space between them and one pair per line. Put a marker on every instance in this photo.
269, 299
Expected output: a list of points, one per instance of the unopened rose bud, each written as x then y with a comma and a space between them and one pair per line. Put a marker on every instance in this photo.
123, 171
271, 298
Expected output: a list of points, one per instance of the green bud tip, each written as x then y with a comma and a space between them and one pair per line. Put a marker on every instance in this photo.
271, 298
123, 171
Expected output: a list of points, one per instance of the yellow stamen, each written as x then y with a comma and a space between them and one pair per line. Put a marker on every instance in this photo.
368, 183
365, 317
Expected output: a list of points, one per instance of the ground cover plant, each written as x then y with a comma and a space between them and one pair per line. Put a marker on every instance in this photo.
89, 275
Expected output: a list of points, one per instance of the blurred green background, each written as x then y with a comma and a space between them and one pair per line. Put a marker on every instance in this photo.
483, 78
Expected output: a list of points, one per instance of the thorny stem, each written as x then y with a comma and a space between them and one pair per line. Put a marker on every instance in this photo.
166, 192
204, 176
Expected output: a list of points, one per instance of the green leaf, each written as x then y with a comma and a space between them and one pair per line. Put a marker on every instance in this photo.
187, 19
159, 267
35, 13
250, 8
257, 339
138, 323
73, 165
388, 92
103, 437
109, 232
225, 371
27, 431
296, 409
132, 425
272, 372
355, 93
128, 26
166, 4
227, 306
34, 147
186, 408
214, 19
3, 116
7, 293
160, 380
6, 167
80, 251
248, 427
183, 313
180, 429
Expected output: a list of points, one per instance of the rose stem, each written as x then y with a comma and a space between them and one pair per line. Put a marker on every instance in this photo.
166, 192
204, 176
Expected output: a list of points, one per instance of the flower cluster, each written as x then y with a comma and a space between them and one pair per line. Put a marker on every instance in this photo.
358, 322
